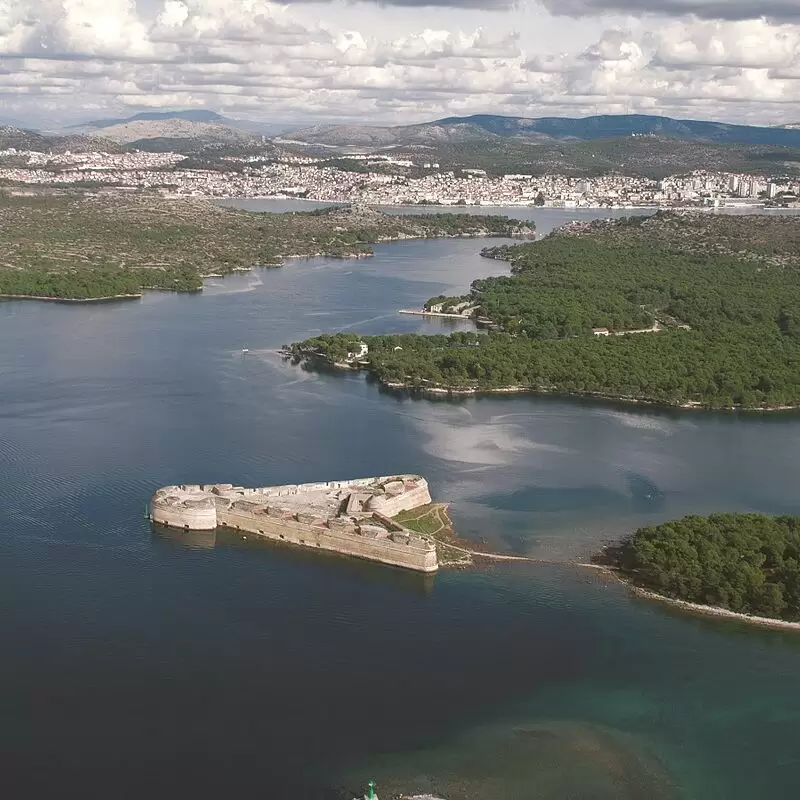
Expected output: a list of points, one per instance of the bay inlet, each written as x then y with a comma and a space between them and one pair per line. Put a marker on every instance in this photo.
138, 663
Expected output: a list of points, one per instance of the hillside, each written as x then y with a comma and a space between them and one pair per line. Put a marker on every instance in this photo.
773, 240
200, 115
482, 127
74, 245
652, 157
22, 139
579, 147
575, 147
142, 129
192, 115
428, 134
614, 126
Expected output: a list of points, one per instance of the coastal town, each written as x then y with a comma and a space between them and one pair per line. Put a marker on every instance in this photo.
382, 180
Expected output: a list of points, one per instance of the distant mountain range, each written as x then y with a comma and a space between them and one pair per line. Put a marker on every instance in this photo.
193, 128
425, 134
23, 139
634, 144
178, 124
192, 115
202, 124
142, 130
491, 127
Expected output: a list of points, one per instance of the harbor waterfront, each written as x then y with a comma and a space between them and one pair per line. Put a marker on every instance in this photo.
151, 661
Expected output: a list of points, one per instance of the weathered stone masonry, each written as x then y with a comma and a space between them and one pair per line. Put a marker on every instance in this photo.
347, 517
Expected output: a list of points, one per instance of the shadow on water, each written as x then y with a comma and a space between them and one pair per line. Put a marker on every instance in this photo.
552, 499
191, 540
366, 571
643, 495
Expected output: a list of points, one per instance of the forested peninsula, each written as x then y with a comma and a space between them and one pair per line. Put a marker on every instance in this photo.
743, 563
692, 310
74, 245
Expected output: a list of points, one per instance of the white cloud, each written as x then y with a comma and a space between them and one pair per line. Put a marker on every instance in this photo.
753, 44
705, 9
304, 61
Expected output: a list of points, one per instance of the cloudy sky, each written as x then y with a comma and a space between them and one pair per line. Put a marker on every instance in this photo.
399, 61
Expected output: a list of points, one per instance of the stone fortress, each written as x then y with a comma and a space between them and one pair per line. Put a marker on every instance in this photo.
352, 517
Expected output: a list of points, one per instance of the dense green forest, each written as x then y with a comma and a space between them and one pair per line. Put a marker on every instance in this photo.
773, 239
77, 245
721, 370
728, 319
748, 563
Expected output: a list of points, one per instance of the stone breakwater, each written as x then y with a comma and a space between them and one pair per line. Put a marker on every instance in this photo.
351, 517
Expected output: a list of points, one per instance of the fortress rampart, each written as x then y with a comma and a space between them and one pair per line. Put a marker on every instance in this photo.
348, 517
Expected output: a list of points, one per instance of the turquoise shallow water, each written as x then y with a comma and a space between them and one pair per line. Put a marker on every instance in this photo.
134, 663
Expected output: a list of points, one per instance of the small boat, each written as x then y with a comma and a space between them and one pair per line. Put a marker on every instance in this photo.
245, 350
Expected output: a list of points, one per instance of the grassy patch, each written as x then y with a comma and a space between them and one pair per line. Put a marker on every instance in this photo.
429, 520
433, 522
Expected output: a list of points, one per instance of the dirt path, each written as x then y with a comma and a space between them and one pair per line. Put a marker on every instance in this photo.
437, 512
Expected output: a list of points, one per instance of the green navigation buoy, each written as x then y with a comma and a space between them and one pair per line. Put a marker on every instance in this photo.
371, 791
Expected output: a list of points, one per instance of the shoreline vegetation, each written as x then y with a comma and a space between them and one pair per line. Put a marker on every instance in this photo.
734, 566
103, 299
442, 392
711, 611
312, 351
87, 246
688, 311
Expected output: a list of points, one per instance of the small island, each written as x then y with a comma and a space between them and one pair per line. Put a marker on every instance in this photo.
745, 566
684, 310
86, 246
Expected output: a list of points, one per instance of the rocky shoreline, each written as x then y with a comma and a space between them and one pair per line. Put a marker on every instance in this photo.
452, 391
108, 298
443, 391
711, 611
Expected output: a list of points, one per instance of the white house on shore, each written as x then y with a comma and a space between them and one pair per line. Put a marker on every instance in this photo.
357, 351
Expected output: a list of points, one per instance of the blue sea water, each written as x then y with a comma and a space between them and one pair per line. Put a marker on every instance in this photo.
135, 664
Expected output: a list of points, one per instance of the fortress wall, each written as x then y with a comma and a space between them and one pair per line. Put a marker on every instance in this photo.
275, 527
392, 506
389, 523
383, 550
196, 519
410, 556
299, 488
338, 535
